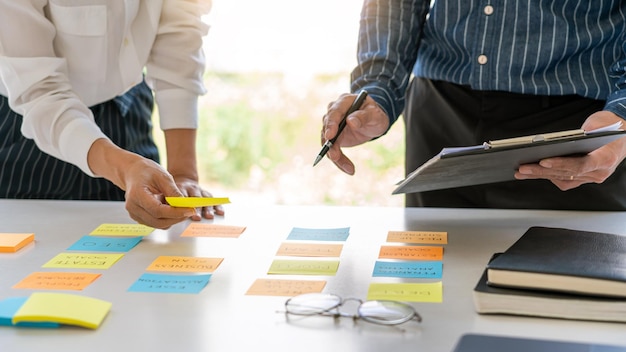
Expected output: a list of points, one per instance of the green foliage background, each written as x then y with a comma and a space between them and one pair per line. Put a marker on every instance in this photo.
259, 133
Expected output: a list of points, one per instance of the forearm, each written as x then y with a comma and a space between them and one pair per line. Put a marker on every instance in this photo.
387, 50
181, 153
107, 160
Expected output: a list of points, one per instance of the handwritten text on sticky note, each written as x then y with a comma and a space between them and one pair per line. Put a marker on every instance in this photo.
312, 234
83, 260
304, 267
271, 287
412, 269
185, 264
298, 249
57, 281
425, 237
411, 252
105, 244
161, 283
196, 229
407, 292
122, 230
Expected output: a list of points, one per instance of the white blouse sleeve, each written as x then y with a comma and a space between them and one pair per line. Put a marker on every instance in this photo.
176, 64
36, 83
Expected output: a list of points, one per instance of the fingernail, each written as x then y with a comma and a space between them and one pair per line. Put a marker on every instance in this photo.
545, 164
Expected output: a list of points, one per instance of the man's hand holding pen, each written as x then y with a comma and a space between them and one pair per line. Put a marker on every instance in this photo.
365, 123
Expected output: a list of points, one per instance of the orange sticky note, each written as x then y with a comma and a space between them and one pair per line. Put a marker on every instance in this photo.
13, 242
411, 252
185, 264
271, 287
433, 237
196, 229
57, 281
309, 250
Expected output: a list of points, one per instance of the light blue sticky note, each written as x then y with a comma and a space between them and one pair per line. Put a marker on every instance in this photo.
105, 244
412, 269
163, 283
304, 234
8, 308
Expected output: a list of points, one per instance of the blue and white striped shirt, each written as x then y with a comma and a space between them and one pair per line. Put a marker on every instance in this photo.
540, 47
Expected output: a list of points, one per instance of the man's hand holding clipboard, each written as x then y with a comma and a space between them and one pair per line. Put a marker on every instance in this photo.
567, 172
566, 158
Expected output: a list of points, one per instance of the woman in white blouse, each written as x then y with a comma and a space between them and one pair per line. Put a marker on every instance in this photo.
76, 94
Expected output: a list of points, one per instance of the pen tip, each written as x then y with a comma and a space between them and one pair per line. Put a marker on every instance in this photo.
317, 160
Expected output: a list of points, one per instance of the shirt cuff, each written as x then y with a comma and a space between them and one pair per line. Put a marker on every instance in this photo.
178, 108
382, 98
616, 103
76, 140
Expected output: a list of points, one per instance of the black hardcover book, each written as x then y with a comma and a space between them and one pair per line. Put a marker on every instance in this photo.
499, 300
565, 260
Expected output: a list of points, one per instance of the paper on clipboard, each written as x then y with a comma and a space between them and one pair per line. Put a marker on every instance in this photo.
497, 161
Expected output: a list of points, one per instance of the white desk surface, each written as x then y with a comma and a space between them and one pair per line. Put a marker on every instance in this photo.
222, 318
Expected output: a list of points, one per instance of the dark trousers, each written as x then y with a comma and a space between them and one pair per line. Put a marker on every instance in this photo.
440, 114
28, 173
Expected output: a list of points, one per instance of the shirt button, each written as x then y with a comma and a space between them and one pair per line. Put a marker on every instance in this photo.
482, 59
488, 10
126, 41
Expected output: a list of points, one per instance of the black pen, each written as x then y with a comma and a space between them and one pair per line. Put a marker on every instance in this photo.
329, 143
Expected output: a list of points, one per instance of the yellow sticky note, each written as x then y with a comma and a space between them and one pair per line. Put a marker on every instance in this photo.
122, 230
57, 281
195, 202
13, 242
199, 229
304, 267
411, 252
407, 292
185, 264
431, 237
63, 308
289, 288
297, 249
83, 260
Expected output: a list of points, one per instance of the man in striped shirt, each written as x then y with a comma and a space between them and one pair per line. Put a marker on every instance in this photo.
466, 71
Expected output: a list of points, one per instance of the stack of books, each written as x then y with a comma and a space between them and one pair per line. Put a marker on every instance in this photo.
557, 273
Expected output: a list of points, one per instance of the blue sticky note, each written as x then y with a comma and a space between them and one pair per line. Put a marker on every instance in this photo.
412, 269
303, 234
8, 308
105, 244
163, 283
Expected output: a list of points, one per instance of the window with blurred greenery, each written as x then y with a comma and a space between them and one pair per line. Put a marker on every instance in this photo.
273, 68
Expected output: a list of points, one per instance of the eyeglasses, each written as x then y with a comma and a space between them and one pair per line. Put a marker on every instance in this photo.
381, 312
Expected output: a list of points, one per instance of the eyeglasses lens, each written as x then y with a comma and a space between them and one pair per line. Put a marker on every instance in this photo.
312, 303
386, 312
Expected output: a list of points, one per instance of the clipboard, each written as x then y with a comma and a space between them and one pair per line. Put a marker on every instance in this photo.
497, 161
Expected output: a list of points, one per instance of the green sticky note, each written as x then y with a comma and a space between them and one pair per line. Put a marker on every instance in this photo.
83, 260
411, 292
304, 267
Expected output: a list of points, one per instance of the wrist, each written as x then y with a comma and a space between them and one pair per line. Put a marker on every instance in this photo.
107, 160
